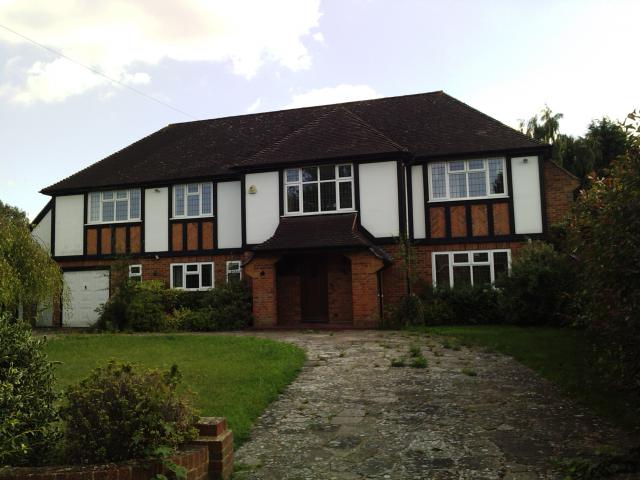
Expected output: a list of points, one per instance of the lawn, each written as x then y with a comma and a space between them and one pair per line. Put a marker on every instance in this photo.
229, 376
564, 356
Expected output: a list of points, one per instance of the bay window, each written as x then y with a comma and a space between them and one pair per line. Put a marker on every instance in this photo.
318, 189
193, 200
192, 276
469, 268
465, 179
114, 206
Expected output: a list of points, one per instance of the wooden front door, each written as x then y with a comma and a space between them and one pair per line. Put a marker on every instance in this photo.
314, 296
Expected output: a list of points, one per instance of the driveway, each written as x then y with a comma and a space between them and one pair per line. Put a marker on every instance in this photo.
468, 415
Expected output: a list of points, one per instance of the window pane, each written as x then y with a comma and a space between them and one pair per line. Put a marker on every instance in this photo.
458, 185
107, 195
121, 210
344, 171
233, 277
481, 275
206, 198
310, 197
481, 257
461, 276
176, 273
442, 270
193, 205
134, 203
438, 181
346, 196
310, 174
460, 257
476, 164
456, 166
328, 196
292, 175
233, 267
121, 194
207, 275
193, 280
107, 211
192, 188
293, 198
134, 269
496, 175
327, 172
192, 267
94, 205
477, 184
178, 199
500, 264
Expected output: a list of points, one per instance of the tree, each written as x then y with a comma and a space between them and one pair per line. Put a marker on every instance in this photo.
607, 140
574, 154
543, 128
28, 275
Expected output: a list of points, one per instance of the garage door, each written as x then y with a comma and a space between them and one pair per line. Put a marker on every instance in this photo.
87, 291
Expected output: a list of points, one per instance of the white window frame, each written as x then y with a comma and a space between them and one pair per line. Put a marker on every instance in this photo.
337, 180
466, 171
186, 194
470, 263
114, 193
199, 272
227, 271
133, 274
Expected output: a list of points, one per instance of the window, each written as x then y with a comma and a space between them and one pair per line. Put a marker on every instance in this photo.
327, 188
192, 276
462, 179
135, 273
114, 206
193, 200
473, 267
234, 271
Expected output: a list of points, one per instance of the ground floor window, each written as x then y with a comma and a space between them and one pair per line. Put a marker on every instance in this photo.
192, 276
135, 272
475, 267
234, 271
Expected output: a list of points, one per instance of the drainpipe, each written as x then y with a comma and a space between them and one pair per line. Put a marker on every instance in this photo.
380, 295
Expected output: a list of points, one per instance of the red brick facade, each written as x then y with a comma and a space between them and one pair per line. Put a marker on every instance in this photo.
560, 186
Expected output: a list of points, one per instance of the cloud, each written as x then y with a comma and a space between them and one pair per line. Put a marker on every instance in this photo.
327, 95
114, 36
318, 37
255, 105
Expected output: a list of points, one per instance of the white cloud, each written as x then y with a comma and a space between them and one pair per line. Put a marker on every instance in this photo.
113, 36
255, 105
327, 95
318, 37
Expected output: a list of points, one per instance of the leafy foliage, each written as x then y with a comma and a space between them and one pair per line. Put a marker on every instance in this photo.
28, 419
123, 412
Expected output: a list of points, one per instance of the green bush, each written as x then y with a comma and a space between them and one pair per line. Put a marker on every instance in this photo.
409, 311
541, 288
122, 412
461, 305
29, 423
145, 310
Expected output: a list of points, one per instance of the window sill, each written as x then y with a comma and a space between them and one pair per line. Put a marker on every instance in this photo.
90, 224
468, 199
196, 217
310, 214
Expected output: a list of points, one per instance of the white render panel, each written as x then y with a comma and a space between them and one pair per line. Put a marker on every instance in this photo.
229, 205
69, 223
378, 185
42, 232
156, 219
527, 208
418, 201
263, 206
88, 289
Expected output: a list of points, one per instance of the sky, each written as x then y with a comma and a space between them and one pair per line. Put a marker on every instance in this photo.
174, 61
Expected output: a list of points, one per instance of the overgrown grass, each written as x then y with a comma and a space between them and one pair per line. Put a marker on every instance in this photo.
564, 356
233, 377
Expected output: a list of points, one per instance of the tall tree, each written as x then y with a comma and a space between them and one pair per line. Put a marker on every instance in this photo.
544, 127
607, 140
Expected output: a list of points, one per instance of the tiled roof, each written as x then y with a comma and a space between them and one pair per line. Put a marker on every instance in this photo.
428, 124
321, 232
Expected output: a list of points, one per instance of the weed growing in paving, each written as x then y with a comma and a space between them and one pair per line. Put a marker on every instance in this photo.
415, 351
469, 372
419, 362
398, 362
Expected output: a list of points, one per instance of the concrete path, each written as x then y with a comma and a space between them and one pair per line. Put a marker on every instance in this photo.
468, 415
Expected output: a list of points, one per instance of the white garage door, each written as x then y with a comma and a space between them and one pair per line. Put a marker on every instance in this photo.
87, 290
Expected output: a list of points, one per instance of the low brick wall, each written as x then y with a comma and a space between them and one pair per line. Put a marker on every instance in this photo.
210, 457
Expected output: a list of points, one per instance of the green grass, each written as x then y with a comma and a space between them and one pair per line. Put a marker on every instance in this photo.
229, 376
564, 356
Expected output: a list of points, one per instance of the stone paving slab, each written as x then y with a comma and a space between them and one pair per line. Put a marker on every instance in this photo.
350, 415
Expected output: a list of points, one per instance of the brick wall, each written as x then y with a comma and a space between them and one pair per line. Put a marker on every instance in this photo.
339, 290
288, 293
559, 188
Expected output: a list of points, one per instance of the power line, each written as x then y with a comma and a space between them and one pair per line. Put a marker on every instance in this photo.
98, 72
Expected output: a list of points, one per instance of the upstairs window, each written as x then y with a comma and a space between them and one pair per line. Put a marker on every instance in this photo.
193, 200
469, 268
467, 179
114, 206
326, 188
192, 276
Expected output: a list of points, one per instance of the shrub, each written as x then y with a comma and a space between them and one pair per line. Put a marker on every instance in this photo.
464, 305
201, 320
229, 305
408, 311
120, 412
28, 419
145, 312
541, 287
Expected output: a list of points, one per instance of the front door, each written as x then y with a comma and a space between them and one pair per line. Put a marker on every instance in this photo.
314, 302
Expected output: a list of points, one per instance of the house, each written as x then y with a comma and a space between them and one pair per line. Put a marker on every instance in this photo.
308, 205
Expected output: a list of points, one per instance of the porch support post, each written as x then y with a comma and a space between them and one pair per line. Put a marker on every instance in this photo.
364, 289
262, 271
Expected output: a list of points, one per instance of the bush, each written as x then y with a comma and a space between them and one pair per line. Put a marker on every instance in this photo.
120, 412
229, 306
541, 288
28, 419
409, 311
461, 305
145, 312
